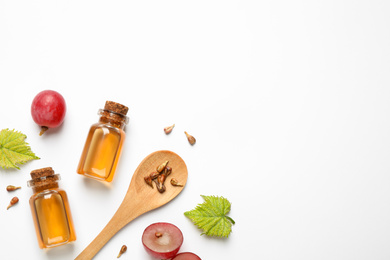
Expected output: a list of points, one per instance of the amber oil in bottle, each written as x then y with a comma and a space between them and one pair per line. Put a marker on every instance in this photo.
50, 209
104, 143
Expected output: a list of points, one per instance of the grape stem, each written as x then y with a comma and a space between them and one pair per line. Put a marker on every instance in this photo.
43, 130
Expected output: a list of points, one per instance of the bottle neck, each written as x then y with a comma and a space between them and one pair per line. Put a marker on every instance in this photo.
49, 186
43, 179
112, 118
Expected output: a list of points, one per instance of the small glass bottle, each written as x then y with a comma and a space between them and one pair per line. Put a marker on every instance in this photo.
104, 142
50, 209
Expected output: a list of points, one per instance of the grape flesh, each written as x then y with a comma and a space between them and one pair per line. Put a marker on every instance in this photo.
186, 256
48, 109
162, 240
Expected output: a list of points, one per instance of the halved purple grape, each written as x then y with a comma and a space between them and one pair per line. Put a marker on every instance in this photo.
186, 256
162, 240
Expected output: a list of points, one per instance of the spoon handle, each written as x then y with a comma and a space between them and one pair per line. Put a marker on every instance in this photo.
112, 227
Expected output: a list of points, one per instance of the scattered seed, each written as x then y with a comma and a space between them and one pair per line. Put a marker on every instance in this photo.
167, 171
12, 188
190, 138
160, 186
123, 250
168, 129
161, 178
154, 175
148, 181
13, 201
162, 166
174, 182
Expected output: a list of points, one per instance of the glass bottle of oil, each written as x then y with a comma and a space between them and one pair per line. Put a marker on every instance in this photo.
104, 142
50, 209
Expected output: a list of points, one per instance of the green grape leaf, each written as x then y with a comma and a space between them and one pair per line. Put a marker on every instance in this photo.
211, 216
13, 149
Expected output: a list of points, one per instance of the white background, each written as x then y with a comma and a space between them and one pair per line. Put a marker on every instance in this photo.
289, 102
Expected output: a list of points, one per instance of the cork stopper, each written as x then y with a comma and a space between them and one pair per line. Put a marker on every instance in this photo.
116, 107
44, 172
43, 178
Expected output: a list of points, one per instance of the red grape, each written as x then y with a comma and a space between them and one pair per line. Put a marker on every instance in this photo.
186, 256
162, 240
48, 109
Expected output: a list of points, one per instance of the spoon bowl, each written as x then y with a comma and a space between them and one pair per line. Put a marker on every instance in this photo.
140, 197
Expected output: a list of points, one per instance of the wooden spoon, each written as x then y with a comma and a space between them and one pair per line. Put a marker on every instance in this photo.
140, 197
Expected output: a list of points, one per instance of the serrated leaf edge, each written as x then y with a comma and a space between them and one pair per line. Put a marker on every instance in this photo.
200, 207
29, 153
